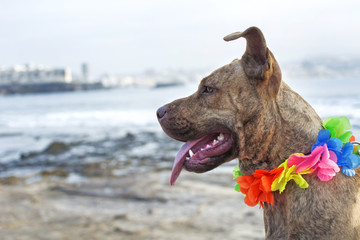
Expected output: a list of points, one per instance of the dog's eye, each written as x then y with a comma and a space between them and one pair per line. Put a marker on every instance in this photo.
207, 90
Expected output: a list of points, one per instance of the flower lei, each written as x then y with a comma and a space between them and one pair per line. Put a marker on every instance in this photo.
335, 147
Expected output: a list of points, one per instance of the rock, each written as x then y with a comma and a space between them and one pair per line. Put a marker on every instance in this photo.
11, 180
120, 217
25, 156
95, 169
56, 148
129, 136
57, 172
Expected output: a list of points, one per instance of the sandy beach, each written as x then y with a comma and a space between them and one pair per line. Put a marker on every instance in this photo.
142, 206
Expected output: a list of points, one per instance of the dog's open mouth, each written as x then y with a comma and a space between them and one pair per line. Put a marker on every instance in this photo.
202, 154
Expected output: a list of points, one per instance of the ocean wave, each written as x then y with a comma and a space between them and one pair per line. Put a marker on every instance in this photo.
106, 118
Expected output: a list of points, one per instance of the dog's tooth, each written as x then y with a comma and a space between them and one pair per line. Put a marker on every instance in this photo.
187, 158
220, 137
191, 153
215, 141
208, 146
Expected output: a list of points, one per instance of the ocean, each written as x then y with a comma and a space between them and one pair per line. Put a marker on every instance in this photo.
43, 132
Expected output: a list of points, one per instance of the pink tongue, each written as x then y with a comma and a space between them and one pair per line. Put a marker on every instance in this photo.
180, 159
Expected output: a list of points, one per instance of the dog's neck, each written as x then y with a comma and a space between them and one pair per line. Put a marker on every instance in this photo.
287, 125
291, 126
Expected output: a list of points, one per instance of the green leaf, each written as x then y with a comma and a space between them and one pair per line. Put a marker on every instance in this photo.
338, 127
236, 172
330, 124
346, 136
345, 122
237, 188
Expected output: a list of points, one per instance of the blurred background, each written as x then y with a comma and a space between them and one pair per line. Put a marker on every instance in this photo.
81, 153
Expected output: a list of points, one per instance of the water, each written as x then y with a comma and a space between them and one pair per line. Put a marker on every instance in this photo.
118, 123
87, 122
332, 97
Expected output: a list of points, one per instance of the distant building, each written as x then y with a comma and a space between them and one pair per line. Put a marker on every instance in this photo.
85, 72
34, 74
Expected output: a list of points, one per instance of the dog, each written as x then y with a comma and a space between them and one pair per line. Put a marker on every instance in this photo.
244, 110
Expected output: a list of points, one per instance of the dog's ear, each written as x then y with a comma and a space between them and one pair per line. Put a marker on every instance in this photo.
258, 62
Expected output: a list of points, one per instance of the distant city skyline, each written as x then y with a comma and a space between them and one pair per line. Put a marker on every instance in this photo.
124, 37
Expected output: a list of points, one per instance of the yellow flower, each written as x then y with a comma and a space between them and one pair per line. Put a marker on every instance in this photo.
290, 174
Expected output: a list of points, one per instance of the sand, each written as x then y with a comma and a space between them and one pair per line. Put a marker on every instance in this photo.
133, 206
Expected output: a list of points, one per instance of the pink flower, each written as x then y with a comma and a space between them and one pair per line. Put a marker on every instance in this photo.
320, 159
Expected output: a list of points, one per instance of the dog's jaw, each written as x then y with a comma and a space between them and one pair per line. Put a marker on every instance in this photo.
203, 154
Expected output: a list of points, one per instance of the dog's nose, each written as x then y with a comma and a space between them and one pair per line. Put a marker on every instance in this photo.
161, 112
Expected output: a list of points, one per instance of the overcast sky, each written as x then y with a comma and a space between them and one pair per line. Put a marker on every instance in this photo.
118, 36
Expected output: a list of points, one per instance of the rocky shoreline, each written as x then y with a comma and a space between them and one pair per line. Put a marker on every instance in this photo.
122, 192
97, 158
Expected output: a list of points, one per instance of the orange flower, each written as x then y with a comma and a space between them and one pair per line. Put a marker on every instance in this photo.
356, 147
257, 187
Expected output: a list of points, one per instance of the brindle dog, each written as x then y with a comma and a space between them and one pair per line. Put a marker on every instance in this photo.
244, 110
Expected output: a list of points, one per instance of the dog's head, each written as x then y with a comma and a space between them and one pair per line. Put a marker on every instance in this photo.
212, 120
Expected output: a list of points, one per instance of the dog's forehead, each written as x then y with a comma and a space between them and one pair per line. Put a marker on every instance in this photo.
227, 73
